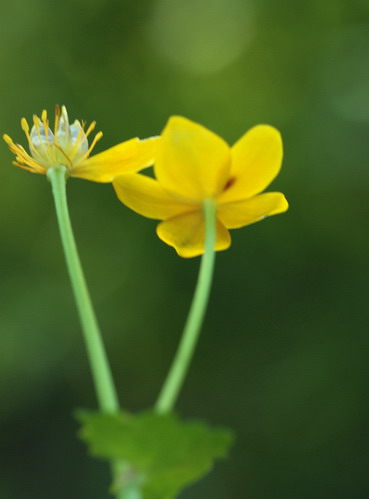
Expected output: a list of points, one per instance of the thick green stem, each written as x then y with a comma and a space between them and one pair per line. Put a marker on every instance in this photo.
101, 373
175, 379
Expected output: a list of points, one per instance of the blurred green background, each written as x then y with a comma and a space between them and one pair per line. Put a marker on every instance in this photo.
283, 354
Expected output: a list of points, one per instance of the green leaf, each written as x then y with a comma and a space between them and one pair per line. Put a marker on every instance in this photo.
162, 452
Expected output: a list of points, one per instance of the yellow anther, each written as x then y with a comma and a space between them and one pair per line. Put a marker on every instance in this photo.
7, 139
24, 125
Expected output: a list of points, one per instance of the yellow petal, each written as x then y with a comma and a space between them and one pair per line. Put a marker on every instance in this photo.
186, 233
146, 196
256, 160
127, 157
240, 213
191, 162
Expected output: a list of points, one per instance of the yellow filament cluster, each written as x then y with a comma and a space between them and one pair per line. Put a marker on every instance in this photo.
48, 152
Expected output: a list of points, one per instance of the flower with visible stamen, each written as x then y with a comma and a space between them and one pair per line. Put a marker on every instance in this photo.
68, 146
194, 164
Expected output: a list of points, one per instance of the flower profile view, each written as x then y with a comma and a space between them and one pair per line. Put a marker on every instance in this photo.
194, 166
68, 146
65, 152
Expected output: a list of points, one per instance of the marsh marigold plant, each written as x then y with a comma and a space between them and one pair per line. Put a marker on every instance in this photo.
202, 188
193, 165
68, 146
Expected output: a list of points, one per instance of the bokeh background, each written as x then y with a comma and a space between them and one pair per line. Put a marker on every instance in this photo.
283, 356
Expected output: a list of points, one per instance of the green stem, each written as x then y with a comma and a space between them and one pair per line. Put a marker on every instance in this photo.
101, 373
175, 379
132, 492
106, 393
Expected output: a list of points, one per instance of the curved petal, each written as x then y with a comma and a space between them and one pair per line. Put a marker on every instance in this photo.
240, 213
127, 157
145, 196
186, 233
256, 161
191, 162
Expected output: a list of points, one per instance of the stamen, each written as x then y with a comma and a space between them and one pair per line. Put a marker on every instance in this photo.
22, 155
33, 168
24, 125
57, 117
7, 139
77, 143
45, 122
13, 147
95, 140
90, 128
93, 143
27, 168
25, 128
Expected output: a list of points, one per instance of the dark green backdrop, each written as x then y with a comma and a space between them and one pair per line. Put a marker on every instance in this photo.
283, 354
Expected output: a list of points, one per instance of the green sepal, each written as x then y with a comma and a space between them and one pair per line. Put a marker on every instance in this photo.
160, 452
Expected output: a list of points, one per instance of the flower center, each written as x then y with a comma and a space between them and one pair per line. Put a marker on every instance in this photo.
66, 146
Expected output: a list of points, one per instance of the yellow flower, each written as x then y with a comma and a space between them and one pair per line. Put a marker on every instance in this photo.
68, 146
193, 164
